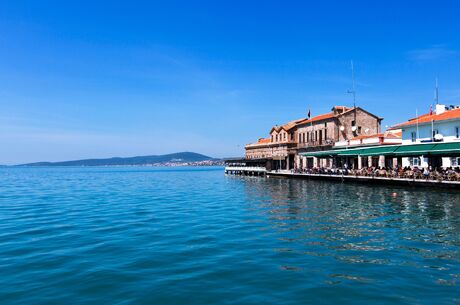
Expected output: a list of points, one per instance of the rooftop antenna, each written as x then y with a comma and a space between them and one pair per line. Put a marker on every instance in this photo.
353, 91
436, 94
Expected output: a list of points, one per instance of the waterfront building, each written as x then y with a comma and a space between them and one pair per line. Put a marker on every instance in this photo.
279, 149
287, 144
322, 132
430, 140
440, 126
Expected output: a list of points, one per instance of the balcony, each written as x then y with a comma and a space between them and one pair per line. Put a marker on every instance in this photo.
326, 142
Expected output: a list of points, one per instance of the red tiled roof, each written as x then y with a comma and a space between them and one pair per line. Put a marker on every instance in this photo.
395, 135
427, 118
388, 135
288, 125
318, 118
264, 140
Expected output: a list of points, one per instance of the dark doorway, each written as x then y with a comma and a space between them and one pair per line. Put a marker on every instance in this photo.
435, 162
291, 161
309, 162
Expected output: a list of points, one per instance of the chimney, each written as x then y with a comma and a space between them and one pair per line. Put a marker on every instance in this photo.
440, 108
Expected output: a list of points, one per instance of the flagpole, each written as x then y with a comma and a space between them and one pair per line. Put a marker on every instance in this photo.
416, 115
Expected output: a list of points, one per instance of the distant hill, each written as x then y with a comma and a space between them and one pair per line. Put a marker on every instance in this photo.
181, 157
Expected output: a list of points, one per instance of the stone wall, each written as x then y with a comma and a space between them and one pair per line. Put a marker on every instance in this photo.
366, 125
312, 132
259, 152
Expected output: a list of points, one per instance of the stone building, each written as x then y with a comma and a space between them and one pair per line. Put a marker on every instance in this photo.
312, 134
323, 131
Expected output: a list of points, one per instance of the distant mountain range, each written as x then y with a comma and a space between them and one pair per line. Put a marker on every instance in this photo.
181, 158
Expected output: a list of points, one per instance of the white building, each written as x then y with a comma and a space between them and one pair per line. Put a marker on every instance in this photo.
441, 126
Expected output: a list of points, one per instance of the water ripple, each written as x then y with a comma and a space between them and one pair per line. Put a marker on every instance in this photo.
195, 236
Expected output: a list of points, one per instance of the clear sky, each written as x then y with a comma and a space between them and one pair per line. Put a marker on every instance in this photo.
81, 79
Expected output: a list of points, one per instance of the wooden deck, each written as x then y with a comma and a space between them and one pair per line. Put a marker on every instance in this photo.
369, 180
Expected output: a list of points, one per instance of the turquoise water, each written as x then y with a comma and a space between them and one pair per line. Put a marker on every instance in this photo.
196, 236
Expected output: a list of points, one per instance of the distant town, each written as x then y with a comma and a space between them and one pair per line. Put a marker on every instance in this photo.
175, 159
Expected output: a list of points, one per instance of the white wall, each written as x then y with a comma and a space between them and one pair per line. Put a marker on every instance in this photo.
446, 128
423, 161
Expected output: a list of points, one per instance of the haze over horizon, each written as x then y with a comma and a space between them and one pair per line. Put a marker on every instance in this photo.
208, 77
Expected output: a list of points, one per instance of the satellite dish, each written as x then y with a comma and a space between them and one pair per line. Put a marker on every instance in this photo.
438, 137
342, 128
353, 128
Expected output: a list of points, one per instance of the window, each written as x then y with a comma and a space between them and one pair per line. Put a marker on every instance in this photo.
272, 138
359, 129
353, 123
308, 137
435, 132
455, 161
325, 125
316, 135
413, 136
414, 161
457, 132
325, 134
276, 138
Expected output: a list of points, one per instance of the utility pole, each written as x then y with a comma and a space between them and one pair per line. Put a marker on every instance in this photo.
353, 91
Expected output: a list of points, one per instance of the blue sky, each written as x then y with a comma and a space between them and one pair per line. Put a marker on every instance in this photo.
88, 79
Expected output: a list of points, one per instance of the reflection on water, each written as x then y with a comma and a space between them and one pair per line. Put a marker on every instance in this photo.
381, 235
195, 236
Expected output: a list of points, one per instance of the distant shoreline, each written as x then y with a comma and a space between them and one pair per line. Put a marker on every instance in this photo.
128, 165
174, 159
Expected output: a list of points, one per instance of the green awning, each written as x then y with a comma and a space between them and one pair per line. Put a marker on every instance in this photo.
373, 151
414, 149
445, 149
350, 152
448, 149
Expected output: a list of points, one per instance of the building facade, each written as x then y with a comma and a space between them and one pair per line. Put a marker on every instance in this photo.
321, 132
440, 126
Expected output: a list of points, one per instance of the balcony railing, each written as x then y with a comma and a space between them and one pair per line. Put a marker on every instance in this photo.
326, 142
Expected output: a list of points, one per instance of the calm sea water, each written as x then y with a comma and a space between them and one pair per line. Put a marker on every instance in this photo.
196, 236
